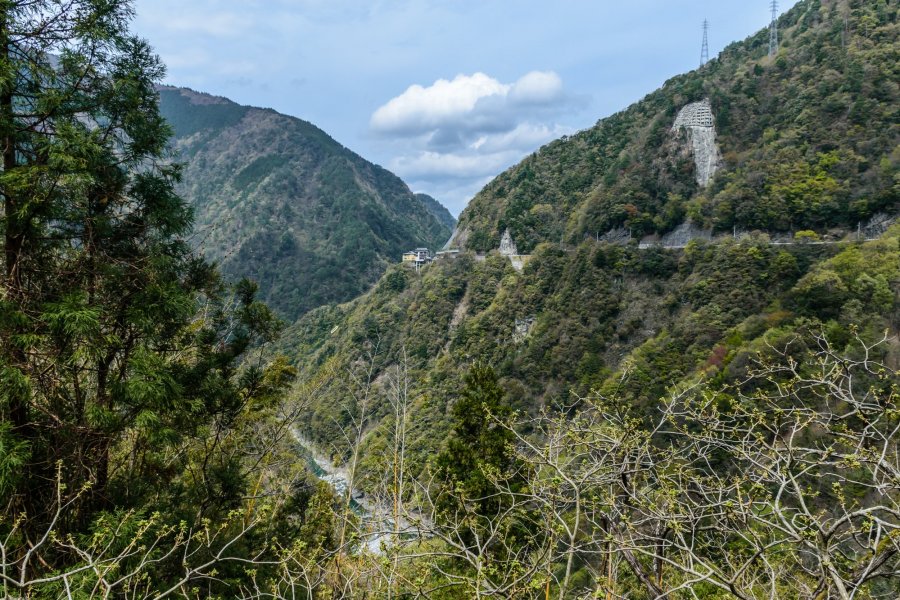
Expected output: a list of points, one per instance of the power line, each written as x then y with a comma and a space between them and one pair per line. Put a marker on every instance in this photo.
704, 51
773, 30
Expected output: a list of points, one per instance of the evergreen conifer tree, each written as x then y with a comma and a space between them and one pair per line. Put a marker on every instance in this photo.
115, 339
479, 457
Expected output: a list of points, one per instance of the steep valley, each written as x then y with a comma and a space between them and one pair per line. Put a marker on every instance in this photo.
277, 200
593, 313
658, 358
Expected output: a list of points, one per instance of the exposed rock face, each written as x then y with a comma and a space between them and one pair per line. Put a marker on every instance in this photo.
616, 236
877, 225
523, 328
679, 237
697, 114
684, 233
507, 245
698, 119
452, 239
458, 238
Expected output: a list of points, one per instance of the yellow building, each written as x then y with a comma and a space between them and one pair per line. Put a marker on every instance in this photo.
418, 257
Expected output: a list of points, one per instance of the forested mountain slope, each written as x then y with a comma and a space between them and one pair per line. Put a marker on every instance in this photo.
279, 201
600, 419
437, 209
806, 140
627, 322
598, 317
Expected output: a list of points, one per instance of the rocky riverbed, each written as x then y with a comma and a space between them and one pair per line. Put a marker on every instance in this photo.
376, 518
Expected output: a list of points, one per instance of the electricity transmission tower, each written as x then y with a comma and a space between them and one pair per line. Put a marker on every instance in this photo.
704, 51
773, 30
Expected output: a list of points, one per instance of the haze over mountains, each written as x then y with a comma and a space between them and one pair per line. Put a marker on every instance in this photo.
279, 201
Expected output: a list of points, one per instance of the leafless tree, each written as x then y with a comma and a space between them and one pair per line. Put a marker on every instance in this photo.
785, 483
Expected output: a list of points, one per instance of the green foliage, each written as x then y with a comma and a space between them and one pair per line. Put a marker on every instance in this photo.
127, 410
861, 280
485, 283
806, 235
437, 210
258, 170
188, 116
309, 220
479, 451
809, 142
600, 311
13, 459
822, 292
596, 312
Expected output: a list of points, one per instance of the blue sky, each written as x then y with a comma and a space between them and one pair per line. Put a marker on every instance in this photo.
445, 93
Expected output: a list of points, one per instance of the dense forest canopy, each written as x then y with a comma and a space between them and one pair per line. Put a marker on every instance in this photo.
601, 420
276, 199
123, 408
808, 141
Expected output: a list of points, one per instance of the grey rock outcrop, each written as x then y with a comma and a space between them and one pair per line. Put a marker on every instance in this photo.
517, 262
523, 328
684, 233
877, 225
678, 237
616, 236
458, 238
697, 118
507, 245
450, 242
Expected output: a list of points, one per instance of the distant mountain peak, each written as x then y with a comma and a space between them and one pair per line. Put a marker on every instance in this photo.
278, 200
196, 98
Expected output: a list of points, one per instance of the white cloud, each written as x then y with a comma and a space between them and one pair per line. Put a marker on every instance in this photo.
537, 87
525, 137
469, 102
453, 136
420, 109
430, 165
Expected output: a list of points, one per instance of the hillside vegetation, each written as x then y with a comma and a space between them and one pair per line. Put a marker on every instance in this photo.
279, 201
633, 323
808, 140
437, 210
654, 384
598, 419
615, 420
612, 318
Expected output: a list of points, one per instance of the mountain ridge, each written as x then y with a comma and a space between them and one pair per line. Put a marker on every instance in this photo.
594, 316
437, 209
633, 170
278, 200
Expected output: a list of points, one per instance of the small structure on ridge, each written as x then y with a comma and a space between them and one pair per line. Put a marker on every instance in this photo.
418, 257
